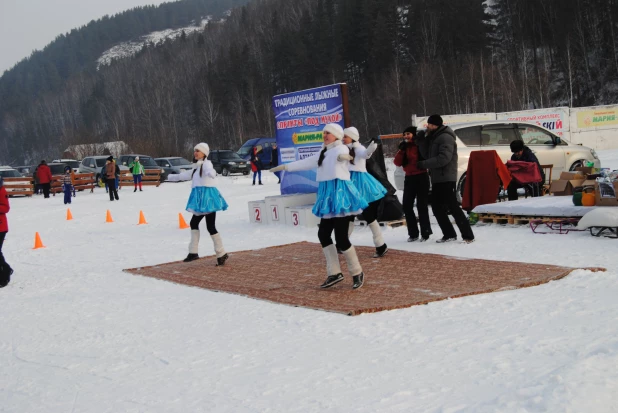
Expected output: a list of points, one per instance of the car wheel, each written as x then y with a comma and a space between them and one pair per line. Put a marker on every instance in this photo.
577, 164
460, 187
225, 172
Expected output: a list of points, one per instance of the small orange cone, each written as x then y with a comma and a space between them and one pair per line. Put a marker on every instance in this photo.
142, 219
181, 222
37, 242
69, 215
108, 218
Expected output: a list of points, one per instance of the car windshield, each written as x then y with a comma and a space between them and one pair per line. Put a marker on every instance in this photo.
230, 155
101, 162
244, 150
72, 164
148, 162
179, 162
10, 173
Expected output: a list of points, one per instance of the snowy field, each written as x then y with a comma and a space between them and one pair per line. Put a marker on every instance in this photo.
80, 335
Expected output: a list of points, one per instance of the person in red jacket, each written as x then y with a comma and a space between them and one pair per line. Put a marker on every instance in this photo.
416, 187
45, 177
5, 268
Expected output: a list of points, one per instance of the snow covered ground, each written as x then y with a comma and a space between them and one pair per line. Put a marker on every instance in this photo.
79, 335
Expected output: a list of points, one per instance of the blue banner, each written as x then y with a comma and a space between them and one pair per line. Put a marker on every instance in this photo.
299, 120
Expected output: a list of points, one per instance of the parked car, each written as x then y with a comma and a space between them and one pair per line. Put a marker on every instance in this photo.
147, 162
228, 162
173, 165
498, 135
73, 163
95, 163
8, 172
264, 146
57, 168
26, 170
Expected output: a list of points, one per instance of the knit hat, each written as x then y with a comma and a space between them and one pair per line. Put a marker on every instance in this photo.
411, 129
352, 132
203, 147
517, 146
435, 120
110, 158
137, 158
335, 129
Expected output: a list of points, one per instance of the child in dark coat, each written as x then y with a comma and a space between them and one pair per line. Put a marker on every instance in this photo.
67, 185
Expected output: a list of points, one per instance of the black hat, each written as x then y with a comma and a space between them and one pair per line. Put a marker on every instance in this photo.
110, 158
435, 120
517, 146
67, 168
411, 129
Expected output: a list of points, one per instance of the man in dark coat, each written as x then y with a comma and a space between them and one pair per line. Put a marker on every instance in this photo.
45, 177
439, 150
274, 160
524, 154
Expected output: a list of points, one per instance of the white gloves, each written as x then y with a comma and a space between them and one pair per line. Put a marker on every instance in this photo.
371, 149
344, 157
279, 168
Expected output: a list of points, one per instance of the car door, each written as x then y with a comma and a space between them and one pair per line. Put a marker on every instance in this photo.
543, 144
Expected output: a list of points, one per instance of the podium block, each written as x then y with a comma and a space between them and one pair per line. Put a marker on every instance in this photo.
275, 205
258, 214
301, 216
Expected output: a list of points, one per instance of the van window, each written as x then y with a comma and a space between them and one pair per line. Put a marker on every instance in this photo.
214, 156
532, 135
496, 135
470, 136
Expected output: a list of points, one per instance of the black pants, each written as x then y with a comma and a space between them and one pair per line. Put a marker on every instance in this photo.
443, 199
340, 226
370, 213
46, 188
5, 269
535, 190
416, 187
111, 185
210, 222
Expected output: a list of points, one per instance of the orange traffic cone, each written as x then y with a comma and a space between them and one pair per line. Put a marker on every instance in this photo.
69, 215
181, 222
37, 242
142, 219
108, 218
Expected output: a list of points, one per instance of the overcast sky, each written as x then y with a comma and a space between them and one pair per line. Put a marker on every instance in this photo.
26, 25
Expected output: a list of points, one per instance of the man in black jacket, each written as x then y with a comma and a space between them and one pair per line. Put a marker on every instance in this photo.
524, 154
439, 149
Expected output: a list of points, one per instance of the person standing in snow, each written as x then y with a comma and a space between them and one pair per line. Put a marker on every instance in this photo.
204, 201
416, 186
137, 169
368, 187
45, 177
110, 177
274, 160
337, 200
256, 165
67, 184
5, 268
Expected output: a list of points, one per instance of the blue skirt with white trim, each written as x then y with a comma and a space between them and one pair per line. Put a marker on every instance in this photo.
338, 198
205, 200
369, 188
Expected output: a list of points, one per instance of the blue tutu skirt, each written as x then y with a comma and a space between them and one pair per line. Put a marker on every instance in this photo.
204, 200
337, 198
369, 188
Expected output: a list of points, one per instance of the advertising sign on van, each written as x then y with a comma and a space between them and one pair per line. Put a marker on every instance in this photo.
299, 120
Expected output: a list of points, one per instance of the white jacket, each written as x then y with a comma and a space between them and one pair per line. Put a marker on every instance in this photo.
331, 167
207, 178
361, 154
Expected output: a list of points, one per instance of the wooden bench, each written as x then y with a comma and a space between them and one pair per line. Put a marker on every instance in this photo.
23, 186
150, 177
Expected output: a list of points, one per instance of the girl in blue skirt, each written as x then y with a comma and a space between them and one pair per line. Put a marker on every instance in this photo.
204, 201
369, 187
337, 200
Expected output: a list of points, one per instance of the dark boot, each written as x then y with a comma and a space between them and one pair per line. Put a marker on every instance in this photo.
5, 274
381, 251
135, 190
332, 280
221, 260
359, 280
191, 257
260, 183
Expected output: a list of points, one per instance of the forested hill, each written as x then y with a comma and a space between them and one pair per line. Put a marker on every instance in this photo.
398, 57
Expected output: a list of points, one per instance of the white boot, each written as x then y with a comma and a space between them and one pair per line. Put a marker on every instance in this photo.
216, 240
354, 267
350, 229
333, 269
378, 241
195, 241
